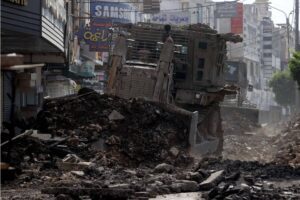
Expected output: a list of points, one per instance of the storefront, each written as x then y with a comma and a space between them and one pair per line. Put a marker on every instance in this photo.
35, 30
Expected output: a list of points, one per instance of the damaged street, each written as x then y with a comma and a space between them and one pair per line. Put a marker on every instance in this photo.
107, 155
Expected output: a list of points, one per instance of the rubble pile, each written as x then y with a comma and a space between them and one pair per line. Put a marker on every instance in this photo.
131, 131
251, 180
249, 147
93, 146
214, 178
288, 144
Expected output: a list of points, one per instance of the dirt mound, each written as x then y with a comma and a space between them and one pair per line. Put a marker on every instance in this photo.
132, 131
288, 143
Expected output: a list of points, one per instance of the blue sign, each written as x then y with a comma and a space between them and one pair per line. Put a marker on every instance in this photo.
115, 12
104, 15
98, 38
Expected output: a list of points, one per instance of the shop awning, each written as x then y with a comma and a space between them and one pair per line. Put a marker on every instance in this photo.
20, 67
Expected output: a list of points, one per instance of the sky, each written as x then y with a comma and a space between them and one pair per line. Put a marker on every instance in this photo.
278, 17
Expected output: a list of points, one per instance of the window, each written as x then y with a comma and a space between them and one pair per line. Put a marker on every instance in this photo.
200, 69
251, 69
268, 46
202, 45
201, 63
199, 75
180, 71
267, 39
267, 55
180, 75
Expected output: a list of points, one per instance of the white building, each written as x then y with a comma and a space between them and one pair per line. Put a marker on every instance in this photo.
183, 12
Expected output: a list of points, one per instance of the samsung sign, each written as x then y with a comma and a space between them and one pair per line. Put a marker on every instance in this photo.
104, 15
117, 12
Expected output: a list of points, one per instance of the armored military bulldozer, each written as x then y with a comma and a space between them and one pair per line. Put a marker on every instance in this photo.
181, 68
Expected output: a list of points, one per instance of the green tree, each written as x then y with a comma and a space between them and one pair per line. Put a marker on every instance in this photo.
283, 87
294, 66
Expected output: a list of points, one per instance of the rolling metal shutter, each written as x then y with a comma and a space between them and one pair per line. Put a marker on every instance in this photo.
7, 90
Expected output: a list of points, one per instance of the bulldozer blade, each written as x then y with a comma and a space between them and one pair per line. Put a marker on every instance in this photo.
197, 148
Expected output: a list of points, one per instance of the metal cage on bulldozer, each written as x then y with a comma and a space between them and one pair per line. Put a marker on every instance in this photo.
179, 67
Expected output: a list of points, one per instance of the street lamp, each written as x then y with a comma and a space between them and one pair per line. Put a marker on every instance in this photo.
287, 18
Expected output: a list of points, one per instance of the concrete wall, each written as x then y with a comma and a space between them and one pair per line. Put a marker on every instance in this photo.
256, 116
272, 116
249, 113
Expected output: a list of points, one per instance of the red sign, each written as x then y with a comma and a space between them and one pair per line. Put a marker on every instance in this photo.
237, 22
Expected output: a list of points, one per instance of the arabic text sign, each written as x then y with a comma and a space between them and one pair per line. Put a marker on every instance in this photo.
226, 9
178, 18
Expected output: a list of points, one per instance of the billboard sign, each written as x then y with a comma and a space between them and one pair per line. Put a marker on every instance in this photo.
104, 15
98, 39
114, 11
226, 9
176, 18
237, 21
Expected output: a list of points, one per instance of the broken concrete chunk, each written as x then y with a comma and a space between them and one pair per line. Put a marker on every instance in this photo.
74, 166
249, 179
233, 177
113, 140
174, 151
78, 173
164, 168
72, 158
213, 180
175, 187
131, 172
194, 176
184, 186
120, 186
115, 115
63, 197
188, 186
46, 137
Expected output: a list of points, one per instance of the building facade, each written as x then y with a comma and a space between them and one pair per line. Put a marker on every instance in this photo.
183, 12
37, 31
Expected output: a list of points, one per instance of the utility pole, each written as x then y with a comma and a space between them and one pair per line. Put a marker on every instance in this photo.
297, 48
297, 25
288, 36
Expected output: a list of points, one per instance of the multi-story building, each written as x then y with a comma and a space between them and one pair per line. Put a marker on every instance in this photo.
256, 52
267, 55
35, 29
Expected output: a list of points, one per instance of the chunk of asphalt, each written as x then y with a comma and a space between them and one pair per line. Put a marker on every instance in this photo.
213, 180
